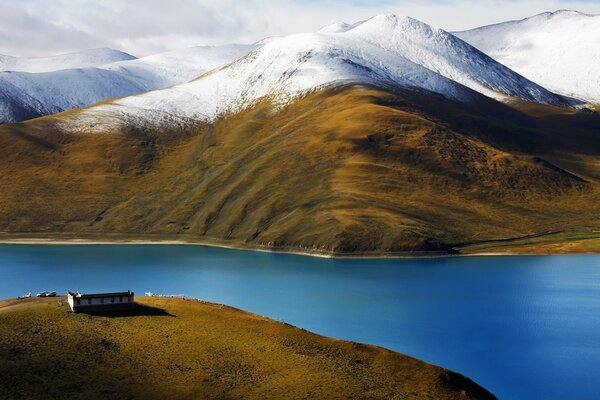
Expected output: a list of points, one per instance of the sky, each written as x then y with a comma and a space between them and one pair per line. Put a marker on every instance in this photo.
142, 27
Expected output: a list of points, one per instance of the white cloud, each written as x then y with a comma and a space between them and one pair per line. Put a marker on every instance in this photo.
142, 27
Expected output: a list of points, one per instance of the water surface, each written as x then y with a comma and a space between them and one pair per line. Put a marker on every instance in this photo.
523, 327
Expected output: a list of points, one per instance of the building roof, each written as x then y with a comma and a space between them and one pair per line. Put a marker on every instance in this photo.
96, 295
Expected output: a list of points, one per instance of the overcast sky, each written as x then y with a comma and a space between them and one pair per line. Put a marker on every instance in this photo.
143, 27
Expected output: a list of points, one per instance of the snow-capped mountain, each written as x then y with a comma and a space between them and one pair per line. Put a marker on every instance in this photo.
80, 59
385, 50
558, 50
26, 95
178, 66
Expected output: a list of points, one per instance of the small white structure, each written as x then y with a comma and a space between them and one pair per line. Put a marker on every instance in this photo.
101, 302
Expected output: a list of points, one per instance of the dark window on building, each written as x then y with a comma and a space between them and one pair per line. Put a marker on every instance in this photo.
89, 301
120, 299
78, 301
112, 299
102, 300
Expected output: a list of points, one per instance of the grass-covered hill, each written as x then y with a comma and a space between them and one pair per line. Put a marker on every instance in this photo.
355, 170
185, 349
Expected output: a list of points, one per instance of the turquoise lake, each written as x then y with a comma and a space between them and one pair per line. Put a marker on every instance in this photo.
523, 327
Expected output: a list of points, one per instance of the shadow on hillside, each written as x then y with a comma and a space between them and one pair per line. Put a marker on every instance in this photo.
137, 311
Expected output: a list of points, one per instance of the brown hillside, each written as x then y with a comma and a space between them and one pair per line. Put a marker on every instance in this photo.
176, 349
356, 171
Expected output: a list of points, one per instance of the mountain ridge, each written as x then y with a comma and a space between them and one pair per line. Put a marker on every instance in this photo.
346, 143
79, 59
50, 92
555, 49
384, 50
354, 170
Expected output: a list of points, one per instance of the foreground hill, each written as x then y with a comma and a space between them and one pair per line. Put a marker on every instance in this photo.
557, 50
64, 82
177, 349
351, 170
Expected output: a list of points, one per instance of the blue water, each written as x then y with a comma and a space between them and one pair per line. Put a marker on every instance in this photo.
523, 327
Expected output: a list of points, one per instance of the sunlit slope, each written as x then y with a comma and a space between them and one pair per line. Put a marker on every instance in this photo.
354, 170
185, 349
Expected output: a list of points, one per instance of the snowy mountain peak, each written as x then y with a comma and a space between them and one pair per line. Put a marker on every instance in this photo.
386, 50
381, 24
338, 27
25, 95
447, 55
558, 50
562, 14
389, 22
393, 29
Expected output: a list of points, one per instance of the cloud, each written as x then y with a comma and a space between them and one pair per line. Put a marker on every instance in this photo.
142, 27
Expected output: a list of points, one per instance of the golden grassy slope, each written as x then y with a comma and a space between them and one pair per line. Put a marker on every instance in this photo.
356, 170
180, 349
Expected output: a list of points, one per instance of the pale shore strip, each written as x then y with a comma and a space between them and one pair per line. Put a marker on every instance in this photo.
171, 242
125, 242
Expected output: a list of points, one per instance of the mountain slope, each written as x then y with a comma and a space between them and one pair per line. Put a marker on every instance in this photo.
557, 50
352, 170
386, 50
448, 56
358, 139
51, 92
80, 59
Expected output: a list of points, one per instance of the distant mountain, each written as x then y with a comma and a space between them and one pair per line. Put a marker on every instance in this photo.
80, 59
386, 50
178, 66
558, 50
372, 138
25, 95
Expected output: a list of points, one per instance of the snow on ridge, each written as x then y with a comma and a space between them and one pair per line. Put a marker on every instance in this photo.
339, 27
178, 66
281, 69
564, 13
55, 91
557, 50
80, 59
385, 50
449, 56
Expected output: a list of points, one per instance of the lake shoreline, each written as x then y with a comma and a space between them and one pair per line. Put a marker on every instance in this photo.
474, 315
138, 242
119, 240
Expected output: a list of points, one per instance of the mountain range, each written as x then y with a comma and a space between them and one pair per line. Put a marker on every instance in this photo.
385, 136
31, 88
82, 59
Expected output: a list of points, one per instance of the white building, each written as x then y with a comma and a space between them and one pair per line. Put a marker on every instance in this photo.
101, 302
